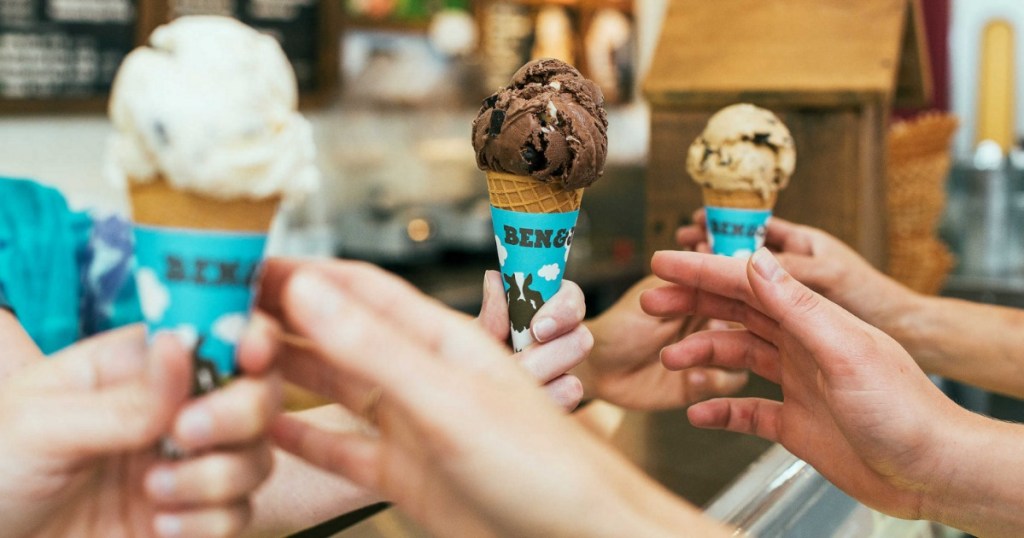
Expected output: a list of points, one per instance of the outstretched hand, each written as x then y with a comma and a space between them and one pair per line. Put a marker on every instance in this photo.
826, 265
855, 405
624, 368
458, 435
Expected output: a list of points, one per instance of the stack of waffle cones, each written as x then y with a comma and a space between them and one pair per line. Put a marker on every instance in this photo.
916, 172
527, 195
156, 203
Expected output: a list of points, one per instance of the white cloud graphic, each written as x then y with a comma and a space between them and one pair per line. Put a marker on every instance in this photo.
187, 334
230, 327
153, 296
502, 251
549, 272
742, 253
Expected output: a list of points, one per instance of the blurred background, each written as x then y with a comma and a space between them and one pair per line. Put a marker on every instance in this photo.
910, 147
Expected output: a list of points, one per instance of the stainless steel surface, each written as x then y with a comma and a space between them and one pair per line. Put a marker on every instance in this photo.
779, 495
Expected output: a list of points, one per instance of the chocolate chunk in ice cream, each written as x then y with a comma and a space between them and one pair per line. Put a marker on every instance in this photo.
548, 123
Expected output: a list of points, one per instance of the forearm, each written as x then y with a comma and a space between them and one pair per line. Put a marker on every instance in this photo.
983, 495
297, 495
646, 508
978, 344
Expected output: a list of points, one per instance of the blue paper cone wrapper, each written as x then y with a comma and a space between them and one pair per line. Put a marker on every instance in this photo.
532, 251
736, 232
200, 285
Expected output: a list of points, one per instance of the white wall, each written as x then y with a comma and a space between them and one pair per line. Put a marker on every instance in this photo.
66, 152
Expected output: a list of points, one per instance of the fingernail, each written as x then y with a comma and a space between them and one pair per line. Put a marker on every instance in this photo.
543, 329
196, 424
168, 526
717, 325
485, 286
698, 379
161, 483
766, 265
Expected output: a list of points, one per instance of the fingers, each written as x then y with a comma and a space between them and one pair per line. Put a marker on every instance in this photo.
813, 320
752, 416
349, 310
217, 522
789, 237
736, 349
235, 414
560, 314
127, 416
302, 364
353, 455
546, 362
566, 390
704, 383
391, 299
691, 236
720, 275
274, 278
217, 478
494, 308
675, 301
93, 363
259, 345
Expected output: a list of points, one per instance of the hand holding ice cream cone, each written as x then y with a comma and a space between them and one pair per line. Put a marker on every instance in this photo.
744, 156
541, 140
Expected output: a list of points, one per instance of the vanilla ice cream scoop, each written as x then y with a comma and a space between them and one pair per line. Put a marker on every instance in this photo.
743, 148
210, 107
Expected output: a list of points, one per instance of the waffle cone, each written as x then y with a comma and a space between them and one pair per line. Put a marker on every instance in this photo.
738, 199
527, 195
156, 203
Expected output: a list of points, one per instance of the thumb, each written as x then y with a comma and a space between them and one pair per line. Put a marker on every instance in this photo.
128, 415
813, 320
494, 310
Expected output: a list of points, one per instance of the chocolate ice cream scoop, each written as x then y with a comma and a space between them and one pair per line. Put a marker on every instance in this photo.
548, 123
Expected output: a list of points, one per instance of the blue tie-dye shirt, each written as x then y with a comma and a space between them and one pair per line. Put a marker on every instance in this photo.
109, 296
66, 274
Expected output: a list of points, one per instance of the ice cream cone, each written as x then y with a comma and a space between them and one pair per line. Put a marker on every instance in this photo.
736, 220
738, 199
525, 194
198, 261
156, 203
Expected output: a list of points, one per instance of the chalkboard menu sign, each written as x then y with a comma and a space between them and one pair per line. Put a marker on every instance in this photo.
59, 55
303, 27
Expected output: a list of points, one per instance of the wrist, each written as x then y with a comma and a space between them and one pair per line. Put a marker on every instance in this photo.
655, 512
979, 492
909, 322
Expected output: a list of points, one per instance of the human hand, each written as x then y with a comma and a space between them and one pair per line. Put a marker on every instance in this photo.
624, 369
828, 266
562, 342
459, 438
78, 434
855, 406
